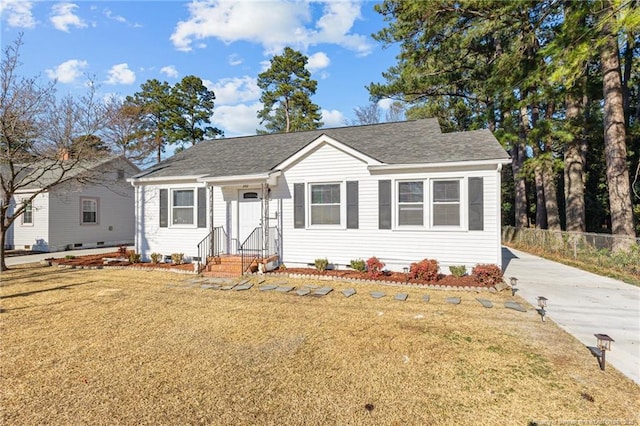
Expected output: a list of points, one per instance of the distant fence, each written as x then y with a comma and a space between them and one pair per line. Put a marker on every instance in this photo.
590, 248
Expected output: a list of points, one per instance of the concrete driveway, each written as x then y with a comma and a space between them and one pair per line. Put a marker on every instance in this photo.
582, 304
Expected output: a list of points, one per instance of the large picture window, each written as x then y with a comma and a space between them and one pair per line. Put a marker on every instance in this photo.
446, 203
89, 211
325, 204
411, 203
182, 206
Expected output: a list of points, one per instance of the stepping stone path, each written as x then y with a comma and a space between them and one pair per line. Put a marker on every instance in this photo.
283, 289
322, 291
377, 294
267, 287
484, 302
348, 292
426, 298
453, 300
515, 306
210, 287
240, 287
303, 291
401, 297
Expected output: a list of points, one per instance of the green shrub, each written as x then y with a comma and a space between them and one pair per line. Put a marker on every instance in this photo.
134, 257
69, 256
488, 275
426, 270
374, 267
321, 264
155, 257
177, 258
358, 265
458, 271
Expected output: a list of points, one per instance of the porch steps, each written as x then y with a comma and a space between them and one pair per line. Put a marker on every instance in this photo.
223, 267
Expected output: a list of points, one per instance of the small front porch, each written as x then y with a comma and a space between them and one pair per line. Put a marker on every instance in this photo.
219, 257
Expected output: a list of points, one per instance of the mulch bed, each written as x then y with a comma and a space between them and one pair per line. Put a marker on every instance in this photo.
97, 261
394, 277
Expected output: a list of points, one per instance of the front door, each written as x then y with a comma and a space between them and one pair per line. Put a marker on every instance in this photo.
249, 213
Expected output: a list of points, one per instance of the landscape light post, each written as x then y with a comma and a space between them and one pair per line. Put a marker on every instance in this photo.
514, 283
542, 303
604, 344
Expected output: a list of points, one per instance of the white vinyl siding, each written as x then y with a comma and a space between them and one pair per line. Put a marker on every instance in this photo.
325, 204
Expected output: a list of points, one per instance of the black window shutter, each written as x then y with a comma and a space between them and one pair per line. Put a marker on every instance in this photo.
298, 205
202, 207
352, 205
384, 204
476, 204
164, 208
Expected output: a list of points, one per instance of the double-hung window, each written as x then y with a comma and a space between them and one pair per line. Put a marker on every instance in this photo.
325, 204
27, 214
411, 203
89, 211
446, 203
182, 206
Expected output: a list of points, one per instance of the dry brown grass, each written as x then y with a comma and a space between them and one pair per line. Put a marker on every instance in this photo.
136, 347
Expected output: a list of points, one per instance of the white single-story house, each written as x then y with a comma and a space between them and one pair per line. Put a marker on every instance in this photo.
83, 213
401, 192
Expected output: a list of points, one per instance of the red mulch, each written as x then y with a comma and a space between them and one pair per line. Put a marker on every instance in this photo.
398, 277
96, 260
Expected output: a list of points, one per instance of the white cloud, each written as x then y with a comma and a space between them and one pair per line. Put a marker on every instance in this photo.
235, 59
333, 118
231, 91
169, 71
17, 13
318, 61
237, 120
271, 24
121, 74
109, 14
385, 104
63, 16
67, 72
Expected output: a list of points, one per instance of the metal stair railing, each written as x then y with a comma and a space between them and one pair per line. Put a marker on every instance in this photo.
214, 244
251, 248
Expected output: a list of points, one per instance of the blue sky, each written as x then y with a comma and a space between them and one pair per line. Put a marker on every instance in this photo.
122, 44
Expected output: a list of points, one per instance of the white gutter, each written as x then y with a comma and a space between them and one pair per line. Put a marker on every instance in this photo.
422, 166
135, 180
270, 178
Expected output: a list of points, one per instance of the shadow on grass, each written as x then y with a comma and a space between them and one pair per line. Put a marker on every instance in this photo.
44, 290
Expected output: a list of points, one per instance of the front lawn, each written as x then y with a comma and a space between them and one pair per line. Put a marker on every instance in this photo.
149, 347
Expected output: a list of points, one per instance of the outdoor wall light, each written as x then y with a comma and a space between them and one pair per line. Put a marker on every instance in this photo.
514, 283
406, 273
542, 303
604, 345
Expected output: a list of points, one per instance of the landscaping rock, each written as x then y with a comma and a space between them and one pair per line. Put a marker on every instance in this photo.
303, 291
453, 300
515, 306
322, 291
426, 298
501, 286
283, 289
401, 297
268, 287
484, 302
377, 294
348, 292
241, 287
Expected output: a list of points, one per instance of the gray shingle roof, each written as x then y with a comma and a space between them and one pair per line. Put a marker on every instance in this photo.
407, 142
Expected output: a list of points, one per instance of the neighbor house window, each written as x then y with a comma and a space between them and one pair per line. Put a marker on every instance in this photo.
89, 211
182, 206
325, 204
411, 203
446, 203
27, 215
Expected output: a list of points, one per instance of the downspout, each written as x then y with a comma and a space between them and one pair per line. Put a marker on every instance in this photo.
499, 213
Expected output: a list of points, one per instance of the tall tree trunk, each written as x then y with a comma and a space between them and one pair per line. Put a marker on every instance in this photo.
518, 156
3, 264
615, 147
574, 167
550, 196
541, 208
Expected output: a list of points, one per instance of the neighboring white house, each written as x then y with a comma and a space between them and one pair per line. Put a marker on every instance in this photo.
399, 191
77, 215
